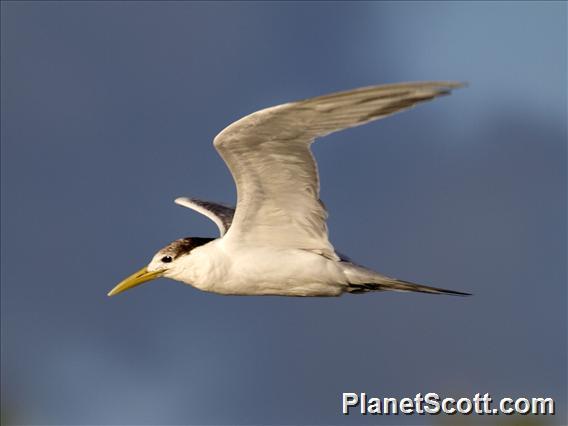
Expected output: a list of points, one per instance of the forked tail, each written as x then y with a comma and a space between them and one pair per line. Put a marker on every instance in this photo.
363, 280
399, 285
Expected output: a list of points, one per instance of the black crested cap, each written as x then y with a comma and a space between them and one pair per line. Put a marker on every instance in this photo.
183, 246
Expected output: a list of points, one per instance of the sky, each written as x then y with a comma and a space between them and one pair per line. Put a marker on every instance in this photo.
108, 114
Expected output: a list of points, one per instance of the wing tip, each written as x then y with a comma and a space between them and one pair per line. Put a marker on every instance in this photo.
445, 87
458, 85
455, 84
450, 84
456, 293
185, 202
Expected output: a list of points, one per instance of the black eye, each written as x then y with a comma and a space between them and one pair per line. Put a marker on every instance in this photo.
167, 259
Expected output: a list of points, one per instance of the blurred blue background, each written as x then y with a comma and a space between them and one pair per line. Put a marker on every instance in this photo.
108, 113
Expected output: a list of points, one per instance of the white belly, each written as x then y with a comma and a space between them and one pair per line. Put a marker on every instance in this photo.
261, 271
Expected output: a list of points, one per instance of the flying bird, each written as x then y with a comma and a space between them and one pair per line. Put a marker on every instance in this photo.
275, 242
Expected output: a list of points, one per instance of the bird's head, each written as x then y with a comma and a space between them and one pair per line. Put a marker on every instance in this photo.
167, 262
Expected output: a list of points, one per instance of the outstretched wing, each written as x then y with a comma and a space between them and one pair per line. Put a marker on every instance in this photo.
221, 214
268, 154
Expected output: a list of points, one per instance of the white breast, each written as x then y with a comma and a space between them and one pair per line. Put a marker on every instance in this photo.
221, 268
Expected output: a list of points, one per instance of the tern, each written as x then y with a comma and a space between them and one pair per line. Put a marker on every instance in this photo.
275, 242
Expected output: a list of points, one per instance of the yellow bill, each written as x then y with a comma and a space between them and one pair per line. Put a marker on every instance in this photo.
134, 280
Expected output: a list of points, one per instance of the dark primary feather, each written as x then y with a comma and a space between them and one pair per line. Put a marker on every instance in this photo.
221, 214
222, 211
